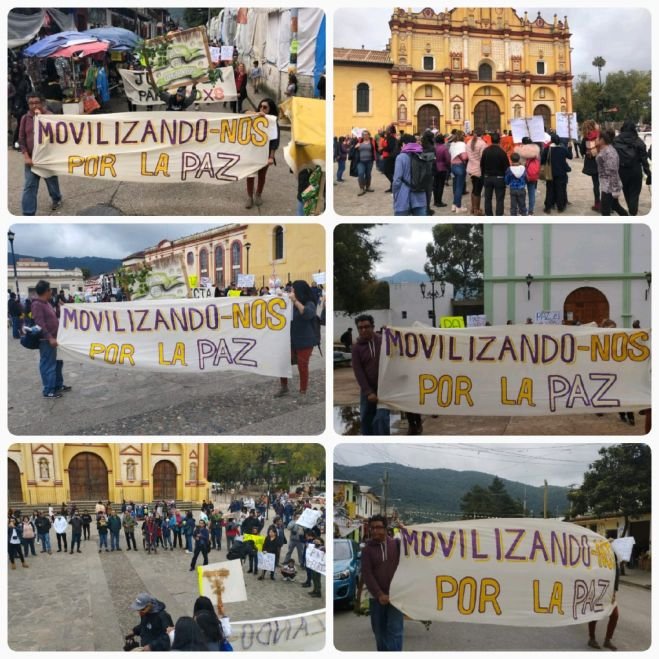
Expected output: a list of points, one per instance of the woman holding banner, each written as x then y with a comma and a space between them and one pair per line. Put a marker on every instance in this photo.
266, 107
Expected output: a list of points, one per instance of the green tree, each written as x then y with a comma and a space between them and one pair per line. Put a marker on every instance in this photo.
599, 63
619, 483
491, 502
629, 91
195, 16
584, 97
456, 257
86, 273
355, 254
134, 283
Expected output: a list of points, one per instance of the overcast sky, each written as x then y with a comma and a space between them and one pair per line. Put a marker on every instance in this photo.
594, 33
559, 464
114, 241
403, 247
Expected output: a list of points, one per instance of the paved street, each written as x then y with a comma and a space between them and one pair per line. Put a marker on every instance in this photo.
88, 196
633, 633
109, 401
580, 195
346, 419
80, 602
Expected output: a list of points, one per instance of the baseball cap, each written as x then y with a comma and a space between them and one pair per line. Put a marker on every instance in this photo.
142, 600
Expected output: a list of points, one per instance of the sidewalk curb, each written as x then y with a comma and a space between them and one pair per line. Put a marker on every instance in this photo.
635, 584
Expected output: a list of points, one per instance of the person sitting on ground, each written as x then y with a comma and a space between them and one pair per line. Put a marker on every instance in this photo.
288, 571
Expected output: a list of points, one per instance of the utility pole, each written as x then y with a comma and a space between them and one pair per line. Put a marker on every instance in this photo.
546, 497
385, 491
524, 511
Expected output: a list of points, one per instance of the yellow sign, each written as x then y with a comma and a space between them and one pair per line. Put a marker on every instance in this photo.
450, 322
258, 540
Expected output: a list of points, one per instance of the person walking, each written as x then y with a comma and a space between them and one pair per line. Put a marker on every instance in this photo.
633, 163
608, 169
365, 153
589, 148
556, 156
202, 541
407, 200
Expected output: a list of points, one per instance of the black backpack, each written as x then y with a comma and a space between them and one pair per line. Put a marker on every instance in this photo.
315, 324
627, 154
31, 340
422, 165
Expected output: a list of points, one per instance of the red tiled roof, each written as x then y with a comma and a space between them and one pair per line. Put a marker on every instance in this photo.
362, 55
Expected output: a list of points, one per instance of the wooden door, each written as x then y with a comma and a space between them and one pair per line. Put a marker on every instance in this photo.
88, 478
14, 479
487, 117
545, 113
427, 118
164, 480
586, 305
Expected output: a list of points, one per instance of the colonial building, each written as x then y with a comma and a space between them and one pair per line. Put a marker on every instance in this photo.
267, 251
30, 271
467, 68
584, 272
52, 473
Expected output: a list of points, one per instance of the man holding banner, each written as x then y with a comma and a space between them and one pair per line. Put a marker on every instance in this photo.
380, 559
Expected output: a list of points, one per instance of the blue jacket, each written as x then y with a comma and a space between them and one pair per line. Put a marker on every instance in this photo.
515, 177
302, 331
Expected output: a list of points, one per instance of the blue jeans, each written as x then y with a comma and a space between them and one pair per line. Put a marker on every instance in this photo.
387, 625
16, 327
50, 368
374, 421
188, 542
531, 188
364, 173
299, 209
459, 173
419, 210
44, 539
114, 540
31, 189
102, 541
340, 170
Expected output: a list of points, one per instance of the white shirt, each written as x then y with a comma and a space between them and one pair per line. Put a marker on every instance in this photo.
60, 524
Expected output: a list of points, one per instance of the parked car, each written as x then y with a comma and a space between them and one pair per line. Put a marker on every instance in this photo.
347, 568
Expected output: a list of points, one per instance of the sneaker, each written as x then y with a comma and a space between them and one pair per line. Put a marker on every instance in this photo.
53, 394
26, 565
17, 146
453, 207
65, 388
362, 193
56, 205
258, 201
592, 643
250, 202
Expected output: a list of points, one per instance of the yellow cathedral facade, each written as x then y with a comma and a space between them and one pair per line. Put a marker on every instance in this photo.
51, 473
466, 68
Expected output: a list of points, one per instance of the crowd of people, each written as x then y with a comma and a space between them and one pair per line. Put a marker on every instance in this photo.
418, 168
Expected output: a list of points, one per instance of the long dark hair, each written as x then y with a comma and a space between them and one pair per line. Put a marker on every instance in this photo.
188, 635
209, 625
273, 106
302, 291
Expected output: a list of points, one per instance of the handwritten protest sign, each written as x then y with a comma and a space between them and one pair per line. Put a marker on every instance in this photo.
314, 559
153, 147
318, 277
226, 53
309, 518
181, 336
265, 561
548, 317
245, 281
533, 127
140, 92
298, 632
448, 322
514, 370
566, 125
622, 548
181, 57
477, 320
215, 53
519, 572
222, 582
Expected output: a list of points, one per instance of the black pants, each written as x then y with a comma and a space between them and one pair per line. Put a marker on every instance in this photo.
315, 580
204, 551
15, 552
61, 537
596, 187
439, 183
28, 543
556, 193
85, 531
610, 203
632, 182
75, 539
130, 537
177, 537
496, 185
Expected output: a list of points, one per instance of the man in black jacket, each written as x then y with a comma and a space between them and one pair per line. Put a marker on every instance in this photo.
494, 163
154, 620
43, 530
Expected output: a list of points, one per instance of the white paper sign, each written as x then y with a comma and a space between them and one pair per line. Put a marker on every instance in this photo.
226, 53
566, 125
309, 518
314, 559
478, 320
318, 277
518, 572
548, 318
304, 632
532, 127
250, 334
153, 147
622, 548
514, 370
215, 53
224, 580
245, 281
265, 561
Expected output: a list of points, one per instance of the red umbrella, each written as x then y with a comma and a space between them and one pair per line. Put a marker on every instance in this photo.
81, 49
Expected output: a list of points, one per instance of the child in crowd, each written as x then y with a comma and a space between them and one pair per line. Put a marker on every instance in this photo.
516, 180
255, 75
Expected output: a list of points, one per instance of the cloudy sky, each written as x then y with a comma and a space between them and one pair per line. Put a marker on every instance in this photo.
113, 241
593, 34
403, 247
559, 464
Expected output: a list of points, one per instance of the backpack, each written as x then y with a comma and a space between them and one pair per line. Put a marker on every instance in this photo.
627, 156
31, 340
422, 165
532, 170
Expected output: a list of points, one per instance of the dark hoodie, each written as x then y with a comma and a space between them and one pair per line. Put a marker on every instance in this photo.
379, 564
365, 363
152, 629
631, 149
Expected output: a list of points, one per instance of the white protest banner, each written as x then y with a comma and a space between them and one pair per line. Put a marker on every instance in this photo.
179, 57
477, 320
548, 318
622, 548
532, 127
514, 370
215, 53
298, 632
309, 518
518, 572
153, 147
167, 278
222, 582
318, 277
140, 92
245, 281
265, 561
226, 53
566, 125
314, 559
248, 334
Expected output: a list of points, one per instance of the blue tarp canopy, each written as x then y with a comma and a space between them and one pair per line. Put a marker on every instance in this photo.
119, 38
53, 42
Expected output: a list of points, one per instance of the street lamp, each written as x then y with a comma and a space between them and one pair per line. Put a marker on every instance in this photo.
433, 294
247, 246
529, 280
11, 235
648, 279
